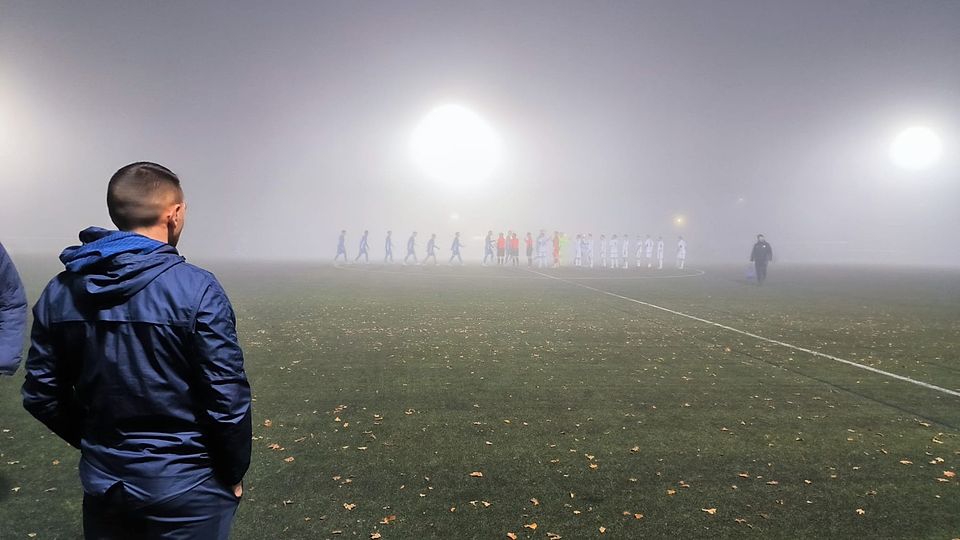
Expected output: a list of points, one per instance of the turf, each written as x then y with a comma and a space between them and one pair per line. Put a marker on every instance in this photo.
585, 414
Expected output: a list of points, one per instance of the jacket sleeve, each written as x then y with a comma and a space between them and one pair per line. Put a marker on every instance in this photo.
224, 392
48, 390
13, 315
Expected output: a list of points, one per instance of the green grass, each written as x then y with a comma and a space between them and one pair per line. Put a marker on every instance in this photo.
389, 388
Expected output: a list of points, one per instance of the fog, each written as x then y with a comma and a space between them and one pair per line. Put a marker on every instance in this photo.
290, 121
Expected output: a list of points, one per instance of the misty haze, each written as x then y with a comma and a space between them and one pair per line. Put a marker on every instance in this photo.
531, 269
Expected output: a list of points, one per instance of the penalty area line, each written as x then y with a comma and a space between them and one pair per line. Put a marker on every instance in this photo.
759, 337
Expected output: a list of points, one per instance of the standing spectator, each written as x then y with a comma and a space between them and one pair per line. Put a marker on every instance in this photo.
134, 359
13, 315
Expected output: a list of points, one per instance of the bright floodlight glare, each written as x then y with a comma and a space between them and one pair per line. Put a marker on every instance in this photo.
679, 220
454, 144
916, 148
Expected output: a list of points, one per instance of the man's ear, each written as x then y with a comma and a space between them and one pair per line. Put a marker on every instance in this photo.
176, 214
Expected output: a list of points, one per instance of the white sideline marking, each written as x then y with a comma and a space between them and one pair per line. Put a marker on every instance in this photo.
761, 338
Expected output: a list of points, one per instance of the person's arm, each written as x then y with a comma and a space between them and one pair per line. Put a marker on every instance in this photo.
13, 315
48, 390
769, 253
224, 393
753, 253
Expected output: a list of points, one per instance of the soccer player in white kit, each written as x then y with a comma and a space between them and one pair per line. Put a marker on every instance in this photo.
614, 252
681, 252
639, 251
589, 249
603, 251
626, 251
648, 251
578, 251
541, 249
660, 253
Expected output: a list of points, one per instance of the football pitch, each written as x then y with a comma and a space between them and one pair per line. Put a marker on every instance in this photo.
470, 402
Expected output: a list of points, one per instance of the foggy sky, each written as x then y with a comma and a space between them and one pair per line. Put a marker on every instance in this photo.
288, 121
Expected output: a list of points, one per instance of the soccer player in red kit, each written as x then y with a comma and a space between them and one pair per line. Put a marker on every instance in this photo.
515, 249
501, 249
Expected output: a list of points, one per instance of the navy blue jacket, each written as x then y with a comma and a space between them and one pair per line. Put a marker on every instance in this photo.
134, 359
13, 315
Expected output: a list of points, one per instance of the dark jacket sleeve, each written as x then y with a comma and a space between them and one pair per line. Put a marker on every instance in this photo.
13, 315
224, 392
753, 253
48, 390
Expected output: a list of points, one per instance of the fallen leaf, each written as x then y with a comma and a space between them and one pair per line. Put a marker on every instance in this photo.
949, 474
267, 423
289, 459
349, 506
375, 536
387, 520
906, 462
476, 474
861, 511
512, 536
638, 516
531, 526
603, 530
710, 511
671, 492
534, 501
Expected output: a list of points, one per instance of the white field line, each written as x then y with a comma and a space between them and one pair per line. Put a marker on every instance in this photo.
761, 338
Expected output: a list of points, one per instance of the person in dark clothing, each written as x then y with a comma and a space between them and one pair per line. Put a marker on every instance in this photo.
134, 359
13, 315
761, 255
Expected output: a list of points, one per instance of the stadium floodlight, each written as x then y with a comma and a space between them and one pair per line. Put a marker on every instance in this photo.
454, 144
916, 148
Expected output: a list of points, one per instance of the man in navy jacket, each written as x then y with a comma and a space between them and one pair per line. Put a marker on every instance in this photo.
761, 255
134, 360
13, 315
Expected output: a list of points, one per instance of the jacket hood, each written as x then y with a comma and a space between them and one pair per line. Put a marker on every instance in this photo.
112, 266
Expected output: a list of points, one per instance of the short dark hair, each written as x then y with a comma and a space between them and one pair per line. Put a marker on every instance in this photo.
134, 194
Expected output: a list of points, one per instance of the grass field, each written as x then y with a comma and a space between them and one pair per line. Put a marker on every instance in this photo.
381, 391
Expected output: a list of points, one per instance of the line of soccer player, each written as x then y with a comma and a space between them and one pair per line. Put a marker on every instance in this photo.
542, 251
